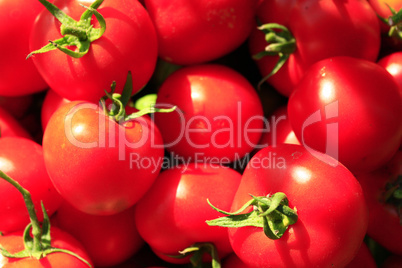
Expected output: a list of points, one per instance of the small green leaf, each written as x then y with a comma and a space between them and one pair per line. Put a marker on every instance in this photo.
240, 220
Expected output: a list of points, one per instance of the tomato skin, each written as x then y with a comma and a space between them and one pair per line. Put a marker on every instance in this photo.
358, 97
10, 127
198, 32
13, 242
393, 64
218, 115
18, 76
232, 261
108, 240
99, 166
128, 44
317, 27
22, 159
178, 221
332, 214
384, 223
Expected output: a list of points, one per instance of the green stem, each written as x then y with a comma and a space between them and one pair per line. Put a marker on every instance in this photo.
78, 34
280, 42
36, 229
272, 213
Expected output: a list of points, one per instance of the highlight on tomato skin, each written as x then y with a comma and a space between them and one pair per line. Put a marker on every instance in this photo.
313, 185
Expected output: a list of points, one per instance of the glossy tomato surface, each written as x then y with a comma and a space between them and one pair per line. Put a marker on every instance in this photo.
22, 159
317, 28
171, 216
350, 109
193, 32
332, 213
128, 44
219, 115
99, 165
18, 76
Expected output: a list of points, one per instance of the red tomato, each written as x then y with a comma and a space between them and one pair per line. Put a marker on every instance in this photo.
350, 109
98, 165
171, 216
22, 159
14, 243
332, 214
317, 27
10, 127
219, 115
384, 221
128, 44
393, 64
108, 240
17, 75
191, 32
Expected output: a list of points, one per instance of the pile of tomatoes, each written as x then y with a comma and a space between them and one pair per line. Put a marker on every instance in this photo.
231, 133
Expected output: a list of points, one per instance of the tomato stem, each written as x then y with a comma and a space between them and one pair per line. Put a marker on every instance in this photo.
394, 22
36, 229
197, 251
39, 244
272, 213
78, 34
120, 101
281, 43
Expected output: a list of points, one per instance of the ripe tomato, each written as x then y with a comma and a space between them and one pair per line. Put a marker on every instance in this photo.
10, 127
98, 165
197, 32
385, 219
171, 216
350, 109
128, 44
393, 64
108, 240
317, 28
22, 159
219, 114
332, 213
13, 243
17, 75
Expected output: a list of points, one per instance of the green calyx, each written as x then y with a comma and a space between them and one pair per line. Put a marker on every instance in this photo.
37, 245
145, 105
281, 43
78, 34
196, 253
272, 213
394, 22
